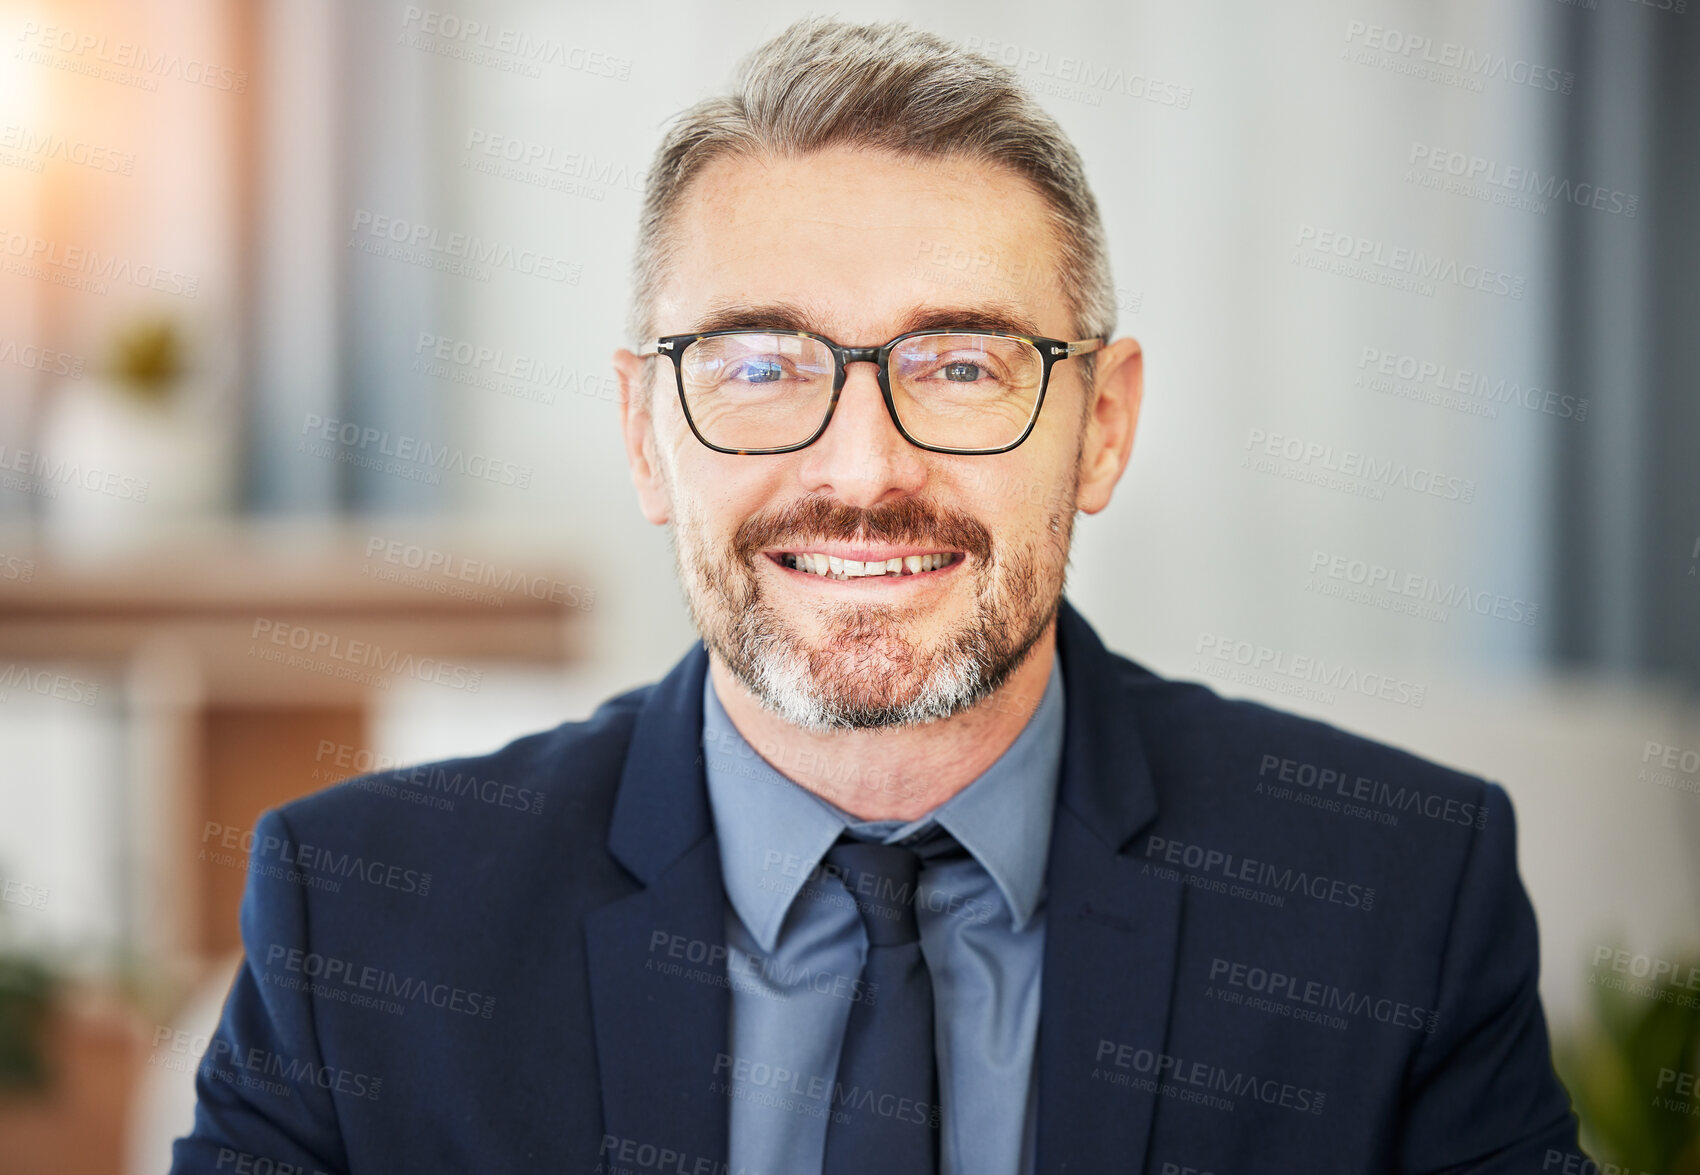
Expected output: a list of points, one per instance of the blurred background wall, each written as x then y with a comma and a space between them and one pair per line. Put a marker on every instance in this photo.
306, 311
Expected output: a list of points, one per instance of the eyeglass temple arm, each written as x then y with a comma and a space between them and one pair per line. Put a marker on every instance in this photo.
1081, 347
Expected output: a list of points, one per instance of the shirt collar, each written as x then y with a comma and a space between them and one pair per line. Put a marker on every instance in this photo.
773, 832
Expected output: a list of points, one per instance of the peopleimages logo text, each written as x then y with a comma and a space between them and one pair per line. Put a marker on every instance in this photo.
1351, 463
38, 147
54, 472
414, 237
1411, 264
41, 257
480, 42
1462, 59
1084, 72
98, 47
403, 447
334, 976
364, 654
1445, 378
1529, 181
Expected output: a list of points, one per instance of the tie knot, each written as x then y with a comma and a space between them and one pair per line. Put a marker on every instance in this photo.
882, 880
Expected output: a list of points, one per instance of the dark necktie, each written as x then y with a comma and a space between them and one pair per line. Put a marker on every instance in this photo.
887, 1087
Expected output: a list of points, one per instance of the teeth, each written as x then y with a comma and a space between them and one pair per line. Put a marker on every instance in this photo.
833, 567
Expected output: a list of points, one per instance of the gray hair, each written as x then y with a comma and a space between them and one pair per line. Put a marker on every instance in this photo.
889, 86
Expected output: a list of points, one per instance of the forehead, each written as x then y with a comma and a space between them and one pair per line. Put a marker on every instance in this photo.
864, 242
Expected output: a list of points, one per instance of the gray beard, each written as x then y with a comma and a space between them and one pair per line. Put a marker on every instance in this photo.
860, 676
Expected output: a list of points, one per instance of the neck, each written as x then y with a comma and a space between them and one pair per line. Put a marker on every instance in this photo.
896, 773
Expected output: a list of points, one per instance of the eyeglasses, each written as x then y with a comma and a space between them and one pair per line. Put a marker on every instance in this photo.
966, 392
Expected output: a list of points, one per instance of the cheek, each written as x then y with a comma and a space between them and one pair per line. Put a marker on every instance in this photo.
1016, 499
1031, 528
718, 492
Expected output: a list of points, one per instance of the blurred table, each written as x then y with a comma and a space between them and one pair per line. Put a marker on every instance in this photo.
252, 656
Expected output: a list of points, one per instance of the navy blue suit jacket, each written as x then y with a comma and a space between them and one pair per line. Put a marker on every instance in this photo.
1271, 946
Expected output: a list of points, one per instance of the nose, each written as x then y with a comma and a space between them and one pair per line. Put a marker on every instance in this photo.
862, 459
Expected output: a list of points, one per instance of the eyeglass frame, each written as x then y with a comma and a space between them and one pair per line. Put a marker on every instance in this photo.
1051, 352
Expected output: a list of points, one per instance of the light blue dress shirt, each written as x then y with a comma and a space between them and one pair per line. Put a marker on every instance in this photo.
795, 946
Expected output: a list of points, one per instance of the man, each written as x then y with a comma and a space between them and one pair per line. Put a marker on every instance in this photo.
900, 870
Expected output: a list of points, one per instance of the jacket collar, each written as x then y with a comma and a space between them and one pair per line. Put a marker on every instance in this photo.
1106, 773
662, 808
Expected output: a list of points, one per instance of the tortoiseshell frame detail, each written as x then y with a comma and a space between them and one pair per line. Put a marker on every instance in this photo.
1051, 352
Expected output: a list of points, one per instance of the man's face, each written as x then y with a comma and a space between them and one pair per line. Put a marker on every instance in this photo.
858, 246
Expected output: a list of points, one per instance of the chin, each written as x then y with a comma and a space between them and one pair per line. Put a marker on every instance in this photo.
837, 688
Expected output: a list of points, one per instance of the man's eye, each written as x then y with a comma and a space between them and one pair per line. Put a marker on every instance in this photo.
757, 371
962, 372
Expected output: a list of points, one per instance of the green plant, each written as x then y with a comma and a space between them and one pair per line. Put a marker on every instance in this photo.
1634, 1073
26, 994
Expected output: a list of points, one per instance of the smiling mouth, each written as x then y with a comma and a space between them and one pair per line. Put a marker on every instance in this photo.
834, 567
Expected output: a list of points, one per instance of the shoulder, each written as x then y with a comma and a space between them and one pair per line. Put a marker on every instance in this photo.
1204, 748
1280, 795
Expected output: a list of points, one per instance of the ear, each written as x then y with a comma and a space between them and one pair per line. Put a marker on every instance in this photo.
1117, 387
638, 426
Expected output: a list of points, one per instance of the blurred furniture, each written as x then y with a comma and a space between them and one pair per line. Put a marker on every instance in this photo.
254, 655
249, 659
96, 1046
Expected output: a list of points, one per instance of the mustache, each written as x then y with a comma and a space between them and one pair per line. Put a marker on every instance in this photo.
912, 520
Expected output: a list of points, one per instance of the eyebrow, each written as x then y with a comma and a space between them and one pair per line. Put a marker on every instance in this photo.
991, 316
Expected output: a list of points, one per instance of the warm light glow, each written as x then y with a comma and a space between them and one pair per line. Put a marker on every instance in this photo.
22, 88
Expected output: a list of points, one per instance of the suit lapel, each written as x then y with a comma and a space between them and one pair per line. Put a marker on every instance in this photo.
1111, 929
661, 1018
